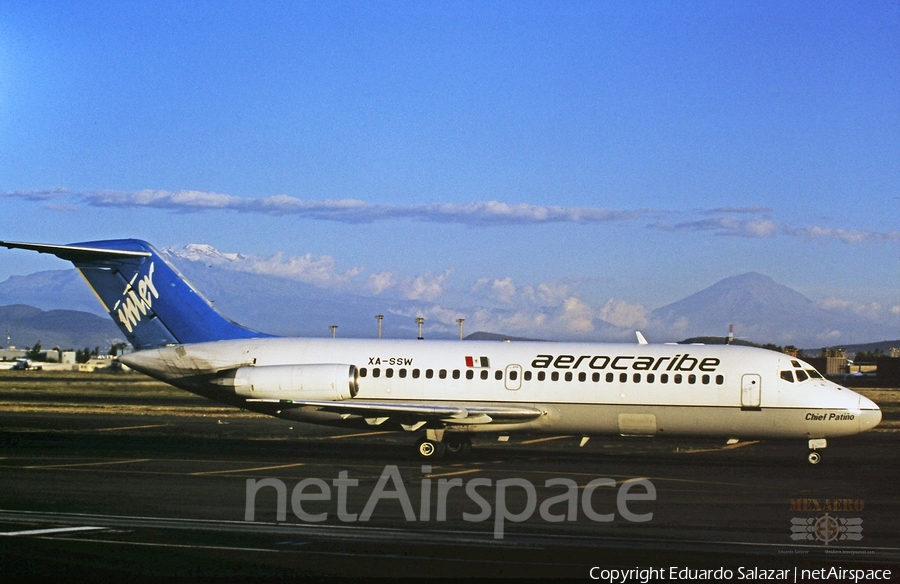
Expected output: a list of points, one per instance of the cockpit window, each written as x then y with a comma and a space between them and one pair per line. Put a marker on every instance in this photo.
801, 375
788, 376
814, 374
796, 364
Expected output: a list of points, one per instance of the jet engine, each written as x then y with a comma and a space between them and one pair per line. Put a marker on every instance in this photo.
320, 381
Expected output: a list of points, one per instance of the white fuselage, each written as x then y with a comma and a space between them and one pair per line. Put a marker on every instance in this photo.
579, 388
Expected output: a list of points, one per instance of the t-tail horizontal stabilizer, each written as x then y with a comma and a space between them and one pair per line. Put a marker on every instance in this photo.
147, 297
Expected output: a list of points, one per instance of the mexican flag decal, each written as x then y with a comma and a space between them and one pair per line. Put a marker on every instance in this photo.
478, 362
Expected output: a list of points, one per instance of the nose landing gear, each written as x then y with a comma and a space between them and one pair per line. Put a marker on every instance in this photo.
814, 444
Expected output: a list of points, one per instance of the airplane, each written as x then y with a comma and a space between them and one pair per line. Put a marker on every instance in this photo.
446, 391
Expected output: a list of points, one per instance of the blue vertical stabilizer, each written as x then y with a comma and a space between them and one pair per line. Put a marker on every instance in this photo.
147, 297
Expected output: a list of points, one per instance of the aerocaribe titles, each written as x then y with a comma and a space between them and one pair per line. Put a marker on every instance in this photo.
678, 362
135, 304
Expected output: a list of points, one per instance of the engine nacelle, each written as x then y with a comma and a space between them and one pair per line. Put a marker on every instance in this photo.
321, 381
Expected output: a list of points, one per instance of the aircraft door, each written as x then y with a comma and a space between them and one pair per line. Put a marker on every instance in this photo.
513, 377
751, 386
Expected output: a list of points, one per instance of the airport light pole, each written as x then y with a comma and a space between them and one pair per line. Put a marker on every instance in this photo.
333, 330
379, 318
420, 321
460, 321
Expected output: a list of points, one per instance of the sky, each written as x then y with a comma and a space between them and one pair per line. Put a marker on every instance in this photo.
594, 158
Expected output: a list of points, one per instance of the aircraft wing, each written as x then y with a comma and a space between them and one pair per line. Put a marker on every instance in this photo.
380, 411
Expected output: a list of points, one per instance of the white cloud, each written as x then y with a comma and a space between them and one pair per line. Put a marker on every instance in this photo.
425, 286
848, 236
504, 289
722, 221
624, 314
318, 270
552, 293
577, 316
38, 195
380, 282
730, 226
874, 311
833, 303
356, 211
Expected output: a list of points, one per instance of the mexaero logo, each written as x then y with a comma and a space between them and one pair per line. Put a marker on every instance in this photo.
135, 303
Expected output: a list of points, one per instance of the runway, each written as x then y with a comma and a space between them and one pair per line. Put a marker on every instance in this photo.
150, 481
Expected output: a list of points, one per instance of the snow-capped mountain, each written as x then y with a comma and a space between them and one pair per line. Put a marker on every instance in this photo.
289, 297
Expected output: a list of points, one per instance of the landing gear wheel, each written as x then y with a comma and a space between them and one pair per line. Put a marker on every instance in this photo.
458, 445
814, 457
430, 449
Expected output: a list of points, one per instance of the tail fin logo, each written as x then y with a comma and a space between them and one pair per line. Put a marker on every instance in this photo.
136, 303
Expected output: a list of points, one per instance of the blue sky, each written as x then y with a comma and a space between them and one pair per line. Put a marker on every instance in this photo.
619, 152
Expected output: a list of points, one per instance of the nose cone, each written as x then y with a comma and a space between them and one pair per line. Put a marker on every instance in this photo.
869, 414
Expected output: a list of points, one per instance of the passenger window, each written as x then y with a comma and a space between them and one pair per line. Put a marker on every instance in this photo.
705, 379
664, 378
692, 379
527, 376
513, 375
442, 374
429, 373
677, 378
582, 376
470, 374
542, 376
484, 374
720, 380
498, 375
362, 371
651, 378
415, 373
402, 373
801, 375
637, 378
610, 377
388, 372
554, 376
788, 376
456, 374
595, 377
568, 376
623, 377
376, 372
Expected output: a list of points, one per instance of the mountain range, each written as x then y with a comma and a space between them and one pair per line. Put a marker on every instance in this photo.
761, 310
66, 329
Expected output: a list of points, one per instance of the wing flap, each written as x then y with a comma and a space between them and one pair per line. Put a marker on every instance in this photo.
453, 414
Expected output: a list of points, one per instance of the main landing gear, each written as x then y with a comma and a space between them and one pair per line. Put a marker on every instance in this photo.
435, 445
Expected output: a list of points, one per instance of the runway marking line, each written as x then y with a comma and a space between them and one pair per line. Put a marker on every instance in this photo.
209, 472
450, 474
89, 463
727, 447
130, 427
53, 530
175, 545
339, 436
549, 438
